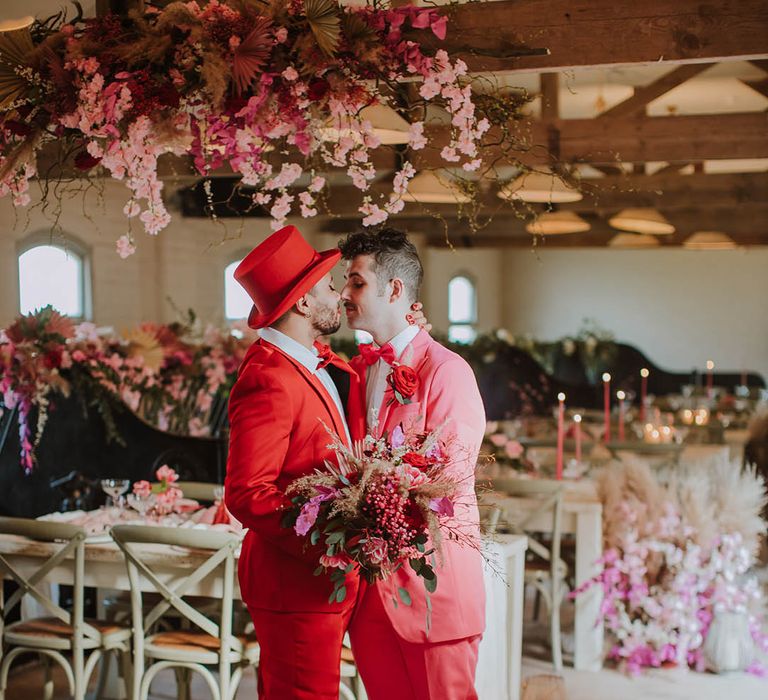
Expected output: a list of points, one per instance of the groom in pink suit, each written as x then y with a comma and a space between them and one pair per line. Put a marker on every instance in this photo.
428, 649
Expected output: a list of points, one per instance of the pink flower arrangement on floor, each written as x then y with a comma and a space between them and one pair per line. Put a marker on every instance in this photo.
228, 82
385, 504
679, 552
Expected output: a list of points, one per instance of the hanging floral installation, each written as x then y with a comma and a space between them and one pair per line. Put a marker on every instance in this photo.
235, 83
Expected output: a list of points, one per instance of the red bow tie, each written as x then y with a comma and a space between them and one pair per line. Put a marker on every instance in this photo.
324, 354
371, 355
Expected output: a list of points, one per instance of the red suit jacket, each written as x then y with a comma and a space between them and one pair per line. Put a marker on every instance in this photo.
447, 396
276, 412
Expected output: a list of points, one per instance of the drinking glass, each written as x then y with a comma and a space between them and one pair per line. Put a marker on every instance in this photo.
141, 504
115, 488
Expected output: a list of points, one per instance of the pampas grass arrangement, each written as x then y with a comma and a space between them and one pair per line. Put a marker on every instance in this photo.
712, 497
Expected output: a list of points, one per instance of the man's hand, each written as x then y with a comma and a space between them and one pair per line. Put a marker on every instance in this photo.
417, 318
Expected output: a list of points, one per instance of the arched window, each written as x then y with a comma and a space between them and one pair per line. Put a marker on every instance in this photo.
237, 303
55, 275
462, 310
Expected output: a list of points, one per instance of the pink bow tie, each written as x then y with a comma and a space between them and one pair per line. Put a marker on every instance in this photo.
371, 355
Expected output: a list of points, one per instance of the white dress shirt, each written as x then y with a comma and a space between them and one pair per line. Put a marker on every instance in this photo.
376, 377
309, 359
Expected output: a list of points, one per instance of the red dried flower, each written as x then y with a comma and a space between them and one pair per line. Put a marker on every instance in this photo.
318, 89
85, 161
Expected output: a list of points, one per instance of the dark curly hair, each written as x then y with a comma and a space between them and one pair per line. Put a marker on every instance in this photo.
394, 256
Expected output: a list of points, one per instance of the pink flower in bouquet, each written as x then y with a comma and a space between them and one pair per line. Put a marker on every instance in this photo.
513, 449
337, 561
397, 439
142, 488
442, 506
414, 476
307, 517
167, 475
376, 550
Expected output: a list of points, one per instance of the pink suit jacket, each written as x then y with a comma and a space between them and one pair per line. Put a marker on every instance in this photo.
447, 393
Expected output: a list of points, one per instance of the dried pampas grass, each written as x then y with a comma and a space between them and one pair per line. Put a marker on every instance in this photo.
629, 483
717, 495
713, 496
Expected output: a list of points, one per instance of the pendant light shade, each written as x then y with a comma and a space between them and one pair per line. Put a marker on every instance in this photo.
430, 187
387, 124
557, 223
709, 240
633, 240
642, 221
540, 186
14, 25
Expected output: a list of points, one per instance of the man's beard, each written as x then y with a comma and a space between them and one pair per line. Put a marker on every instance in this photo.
327, 321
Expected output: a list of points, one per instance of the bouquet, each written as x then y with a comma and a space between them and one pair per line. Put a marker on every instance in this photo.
383, 506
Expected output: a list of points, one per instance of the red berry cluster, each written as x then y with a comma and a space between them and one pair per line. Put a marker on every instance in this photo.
219, 27
387, 507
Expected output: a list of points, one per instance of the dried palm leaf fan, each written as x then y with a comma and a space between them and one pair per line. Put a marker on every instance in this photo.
15, 44
325, 23
251, 54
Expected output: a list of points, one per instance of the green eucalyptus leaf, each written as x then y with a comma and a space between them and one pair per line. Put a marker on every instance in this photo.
404, 596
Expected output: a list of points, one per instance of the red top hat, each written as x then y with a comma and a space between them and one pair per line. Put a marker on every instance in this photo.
277, 272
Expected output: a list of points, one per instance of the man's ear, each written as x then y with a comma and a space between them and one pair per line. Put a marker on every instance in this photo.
302, 305
398, 289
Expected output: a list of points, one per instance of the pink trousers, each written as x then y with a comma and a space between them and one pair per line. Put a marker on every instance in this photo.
391, 667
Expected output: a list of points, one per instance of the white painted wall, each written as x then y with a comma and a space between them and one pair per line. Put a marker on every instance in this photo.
184, 264
680, 307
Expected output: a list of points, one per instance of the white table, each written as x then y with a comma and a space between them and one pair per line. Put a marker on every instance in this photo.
582, 516
499, 660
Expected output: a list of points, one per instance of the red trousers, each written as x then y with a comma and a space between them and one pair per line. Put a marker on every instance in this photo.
300, 654
391, 668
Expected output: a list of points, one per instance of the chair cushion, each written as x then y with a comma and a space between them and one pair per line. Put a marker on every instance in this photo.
53, 627
195, 641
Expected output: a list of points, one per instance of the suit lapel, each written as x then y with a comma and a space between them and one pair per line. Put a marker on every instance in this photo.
320, 390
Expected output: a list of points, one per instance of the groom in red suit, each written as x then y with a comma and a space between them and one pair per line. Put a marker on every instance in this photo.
288, 387
398, 654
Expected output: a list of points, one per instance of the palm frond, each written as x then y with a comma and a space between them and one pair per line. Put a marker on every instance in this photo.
14, 48
325, 23
251, 55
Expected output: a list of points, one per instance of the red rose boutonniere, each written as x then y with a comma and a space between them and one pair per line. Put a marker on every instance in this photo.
404, 382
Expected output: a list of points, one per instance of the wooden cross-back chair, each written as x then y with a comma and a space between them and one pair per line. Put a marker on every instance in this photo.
210, 641
545, 569
64, 632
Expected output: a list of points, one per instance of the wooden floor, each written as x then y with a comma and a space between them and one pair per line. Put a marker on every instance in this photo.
26, 684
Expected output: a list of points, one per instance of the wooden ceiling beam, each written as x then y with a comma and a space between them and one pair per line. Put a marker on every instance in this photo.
557, 35
648, 93
630, 140
748, 226
668, 192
